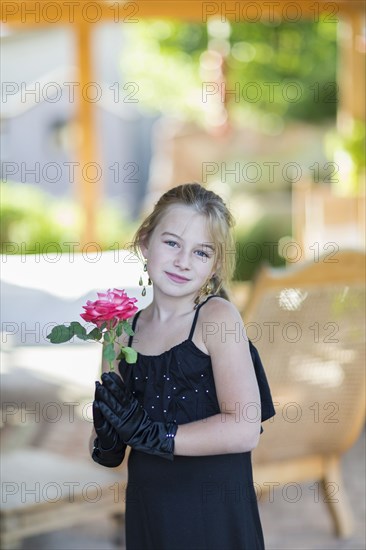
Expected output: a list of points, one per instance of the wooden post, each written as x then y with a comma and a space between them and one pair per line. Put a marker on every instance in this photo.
88, 184
351, 70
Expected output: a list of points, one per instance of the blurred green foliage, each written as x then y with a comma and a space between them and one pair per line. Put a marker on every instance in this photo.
349, 150
259, 244
162, 56
280, 70
30, 216
33, 221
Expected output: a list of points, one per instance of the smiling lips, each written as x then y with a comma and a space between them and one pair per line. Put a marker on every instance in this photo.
176, 278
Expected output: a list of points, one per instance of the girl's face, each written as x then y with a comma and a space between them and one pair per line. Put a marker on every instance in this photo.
180, 253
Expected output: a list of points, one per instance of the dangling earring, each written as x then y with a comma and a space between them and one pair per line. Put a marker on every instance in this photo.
141, 283
204, 291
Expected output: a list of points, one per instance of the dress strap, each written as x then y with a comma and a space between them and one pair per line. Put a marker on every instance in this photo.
196, 316
133, 328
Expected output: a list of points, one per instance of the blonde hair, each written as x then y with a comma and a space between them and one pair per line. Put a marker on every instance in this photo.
220, 222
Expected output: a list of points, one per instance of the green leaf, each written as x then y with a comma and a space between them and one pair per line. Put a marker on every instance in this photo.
78, 330
127, 328
109, 353
130, 354
119, 329
60, 334
94, 334
107, 337
82, 336
103, 325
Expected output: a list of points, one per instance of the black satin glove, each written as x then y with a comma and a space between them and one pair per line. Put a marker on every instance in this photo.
131, 421
108, 449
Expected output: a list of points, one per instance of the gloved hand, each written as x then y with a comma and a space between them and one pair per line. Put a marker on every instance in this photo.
131, 422
108, 449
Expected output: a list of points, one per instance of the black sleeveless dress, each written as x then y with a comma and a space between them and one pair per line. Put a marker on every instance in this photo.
190, 503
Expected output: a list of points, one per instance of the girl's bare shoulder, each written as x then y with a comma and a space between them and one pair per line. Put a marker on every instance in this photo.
223, 332
220, 318
219, 309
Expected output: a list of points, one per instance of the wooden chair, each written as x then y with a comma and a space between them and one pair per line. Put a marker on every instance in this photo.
42, 491
325, 221
48, 479
308, 324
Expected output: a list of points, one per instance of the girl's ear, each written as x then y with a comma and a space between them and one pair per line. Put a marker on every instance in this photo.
216, 270
143, 244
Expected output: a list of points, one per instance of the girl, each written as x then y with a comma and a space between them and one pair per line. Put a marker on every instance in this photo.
191, 406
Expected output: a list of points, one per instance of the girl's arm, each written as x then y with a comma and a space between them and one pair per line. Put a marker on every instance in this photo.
237, 428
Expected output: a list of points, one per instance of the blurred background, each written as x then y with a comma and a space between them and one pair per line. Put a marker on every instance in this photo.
105, 106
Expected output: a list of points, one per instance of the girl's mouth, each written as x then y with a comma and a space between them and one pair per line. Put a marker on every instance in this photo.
176, 278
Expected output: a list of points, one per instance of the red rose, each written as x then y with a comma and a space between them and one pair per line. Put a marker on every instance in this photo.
112, 307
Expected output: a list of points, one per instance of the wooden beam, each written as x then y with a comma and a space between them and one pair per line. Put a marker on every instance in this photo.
351, 72
88, 184
35, 13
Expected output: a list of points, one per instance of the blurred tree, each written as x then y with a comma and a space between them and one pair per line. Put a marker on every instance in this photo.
259, 245
348, 151
274, 71
34, 222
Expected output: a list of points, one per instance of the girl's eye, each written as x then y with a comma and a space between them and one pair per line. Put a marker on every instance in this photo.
201, 253
204, 255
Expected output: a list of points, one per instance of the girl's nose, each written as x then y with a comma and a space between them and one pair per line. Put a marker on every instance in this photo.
182, 259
